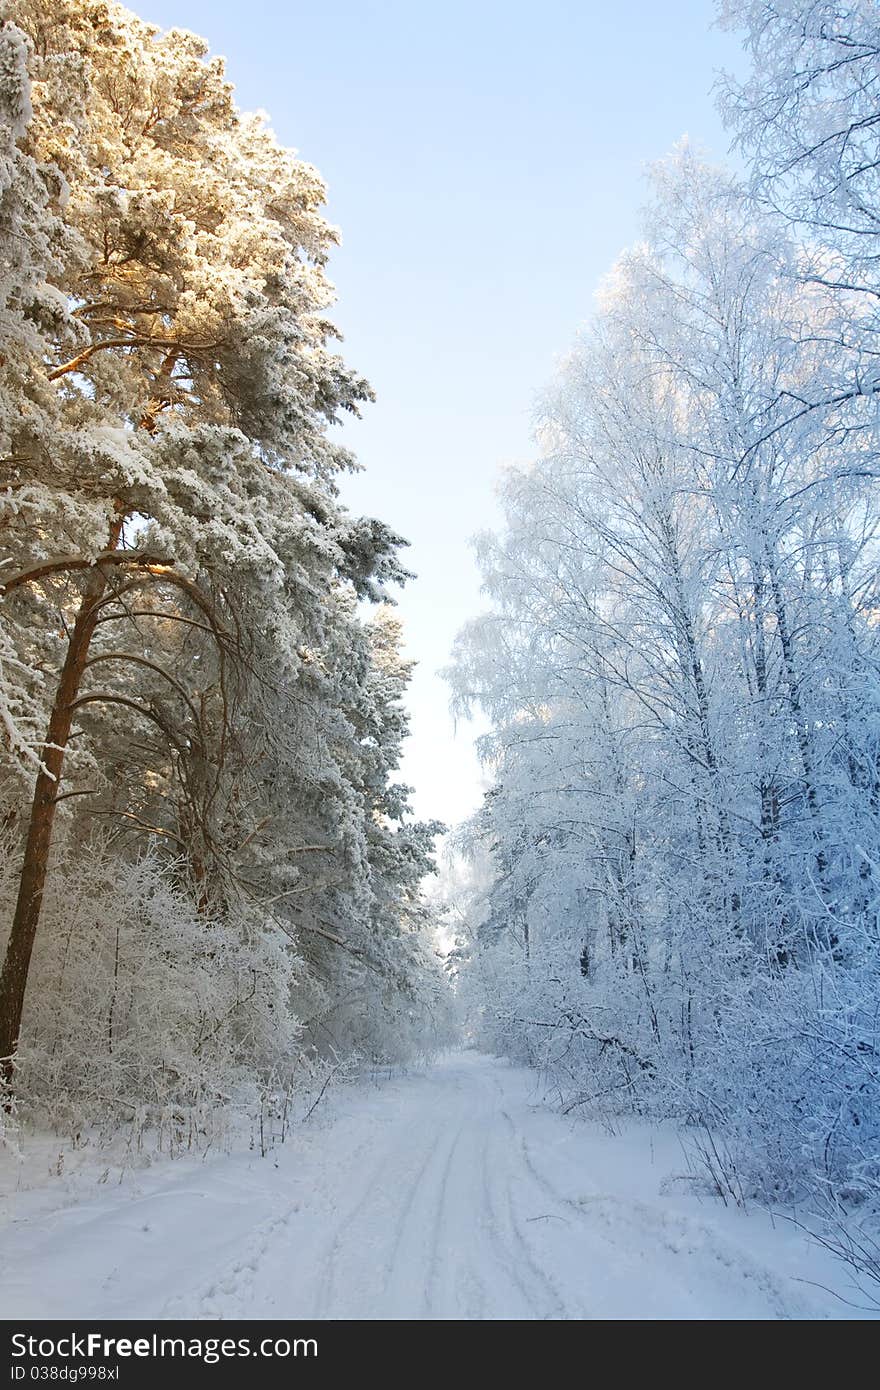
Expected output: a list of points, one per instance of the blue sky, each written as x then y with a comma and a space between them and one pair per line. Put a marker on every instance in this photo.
484, 162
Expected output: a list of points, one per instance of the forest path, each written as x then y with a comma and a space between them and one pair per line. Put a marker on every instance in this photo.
452, 1192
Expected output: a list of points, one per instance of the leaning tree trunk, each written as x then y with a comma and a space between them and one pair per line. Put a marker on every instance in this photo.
13, 978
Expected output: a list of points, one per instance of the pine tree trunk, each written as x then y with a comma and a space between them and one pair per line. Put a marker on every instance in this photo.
13, 978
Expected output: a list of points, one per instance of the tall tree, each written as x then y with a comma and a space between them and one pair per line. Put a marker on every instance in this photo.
681, 669
179, 571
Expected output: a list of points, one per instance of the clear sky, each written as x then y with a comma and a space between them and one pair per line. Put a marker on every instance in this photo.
484, 162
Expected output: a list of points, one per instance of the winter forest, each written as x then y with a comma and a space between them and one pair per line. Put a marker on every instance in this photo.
219, 914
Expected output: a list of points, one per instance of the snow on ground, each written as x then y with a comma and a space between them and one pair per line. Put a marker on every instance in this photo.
449, 1193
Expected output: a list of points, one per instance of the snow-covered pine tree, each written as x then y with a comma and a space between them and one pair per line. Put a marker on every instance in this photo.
180, 582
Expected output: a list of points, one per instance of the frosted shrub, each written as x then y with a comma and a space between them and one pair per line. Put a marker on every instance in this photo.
795, 1087
143, 1013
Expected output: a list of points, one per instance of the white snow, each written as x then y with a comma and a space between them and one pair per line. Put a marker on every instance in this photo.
455, 1192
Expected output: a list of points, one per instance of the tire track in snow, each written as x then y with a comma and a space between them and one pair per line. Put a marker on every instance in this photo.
341, 1241
418, 1242
534, 1294
404, 1195
548, 1284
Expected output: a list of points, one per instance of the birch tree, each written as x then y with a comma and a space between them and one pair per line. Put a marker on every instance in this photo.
680, 668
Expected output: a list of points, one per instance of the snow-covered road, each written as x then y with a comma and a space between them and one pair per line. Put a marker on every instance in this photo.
449, 1193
